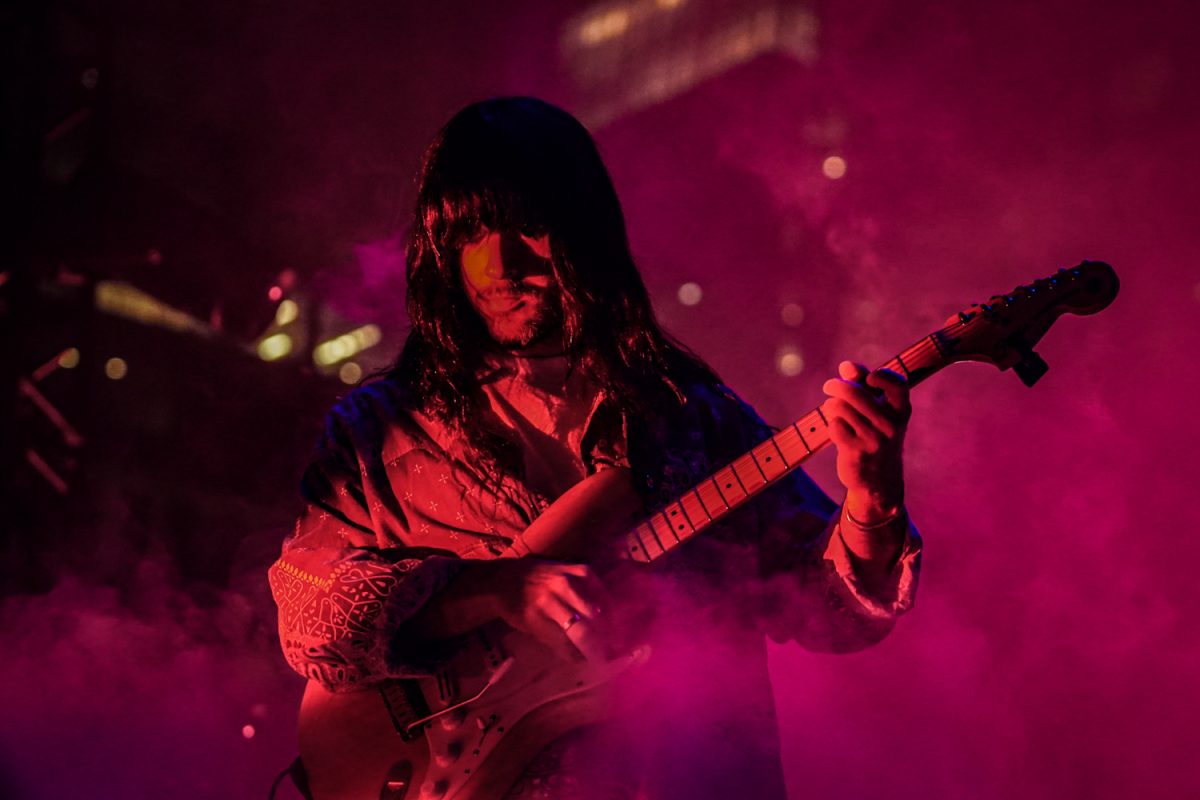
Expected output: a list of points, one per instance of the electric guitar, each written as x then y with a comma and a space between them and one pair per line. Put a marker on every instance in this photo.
468, 732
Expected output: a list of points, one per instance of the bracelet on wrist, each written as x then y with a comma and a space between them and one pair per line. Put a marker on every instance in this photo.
883, 523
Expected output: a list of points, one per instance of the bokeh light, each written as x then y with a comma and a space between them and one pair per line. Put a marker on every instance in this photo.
116, 368
789, 361
275, 347
602, 27
275, 293
690, 294
792, 314
332, 351
350, 372
69, 358
834, 167
287, 312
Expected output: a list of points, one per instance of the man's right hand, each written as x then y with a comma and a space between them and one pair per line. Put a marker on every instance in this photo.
561, 605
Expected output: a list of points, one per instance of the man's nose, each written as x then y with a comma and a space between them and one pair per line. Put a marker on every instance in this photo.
517, 260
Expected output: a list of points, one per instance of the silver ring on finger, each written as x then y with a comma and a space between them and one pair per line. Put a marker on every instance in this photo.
571, 620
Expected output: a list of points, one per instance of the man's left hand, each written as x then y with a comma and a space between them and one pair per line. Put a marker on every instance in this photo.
868, 413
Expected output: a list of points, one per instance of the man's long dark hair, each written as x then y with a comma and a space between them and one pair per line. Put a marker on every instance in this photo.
520, 164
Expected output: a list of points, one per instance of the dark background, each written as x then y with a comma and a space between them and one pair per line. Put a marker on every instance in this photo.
224, 157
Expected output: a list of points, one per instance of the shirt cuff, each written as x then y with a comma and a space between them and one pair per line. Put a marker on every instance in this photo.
886, 597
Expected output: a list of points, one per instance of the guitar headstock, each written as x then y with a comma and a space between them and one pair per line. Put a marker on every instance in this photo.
1004, 330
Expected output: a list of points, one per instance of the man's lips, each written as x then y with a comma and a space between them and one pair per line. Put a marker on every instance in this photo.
509, 301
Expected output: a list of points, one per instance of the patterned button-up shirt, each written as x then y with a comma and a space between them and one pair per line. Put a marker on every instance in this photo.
395, 502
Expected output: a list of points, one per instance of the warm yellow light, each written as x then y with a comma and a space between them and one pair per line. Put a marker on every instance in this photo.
124, 300
792, 314
605, 26
275, 347
69, 359
669, 3
116, 368
789, 361
348, 344
690, 294
288, 310
834, 167
350, 373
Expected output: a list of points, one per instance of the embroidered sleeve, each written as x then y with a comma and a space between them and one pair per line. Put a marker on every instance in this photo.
340, 594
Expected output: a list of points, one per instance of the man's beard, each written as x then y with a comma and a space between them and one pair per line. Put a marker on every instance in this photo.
539, 319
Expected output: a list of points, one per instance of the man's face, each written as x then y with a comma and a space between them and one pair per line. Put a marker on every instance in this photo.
509, 280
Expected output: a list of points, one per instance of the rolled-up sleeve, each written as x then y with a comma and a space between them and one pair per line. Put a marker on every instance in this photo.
815, 590
341, 591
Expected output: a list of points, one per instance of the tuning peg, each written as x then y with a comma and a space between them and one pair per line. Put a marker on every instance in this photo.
1031, 368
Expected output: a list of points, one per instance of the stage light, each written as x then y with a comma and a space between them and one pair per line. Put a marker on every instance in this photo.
275, 293
350, 373
348, 344
116, 368
123, 300
669, 4
275, 347
792, 314
248, 731
603, 27
69, 358
288, 310
690, 294
834, 167
789, 362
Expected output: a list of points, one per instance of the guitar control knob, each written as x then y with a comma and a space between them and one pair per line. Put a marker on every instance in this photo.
453, 753
432, 791
453, 719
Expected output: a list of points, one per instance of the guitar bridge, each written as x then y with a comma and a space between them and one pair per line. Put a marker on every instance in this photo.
404, 702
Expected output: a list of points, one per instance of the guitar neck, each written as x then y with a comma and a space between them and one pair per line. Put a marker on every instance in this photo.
747, 476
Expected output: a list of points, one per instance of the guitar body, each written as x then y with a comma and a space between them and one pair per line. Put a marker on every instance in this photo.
468, 732
484, 721
497, 703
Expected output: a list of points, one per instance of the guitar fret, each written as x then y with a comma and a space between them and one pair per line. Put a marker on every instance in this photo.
791, 446
654, 540
758, 466
636, 546
715, 485
714, 504
741, 469
661, 519
782, 457
686, 516
729, 484
770, 466
801, 435
903, 366
700, 500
